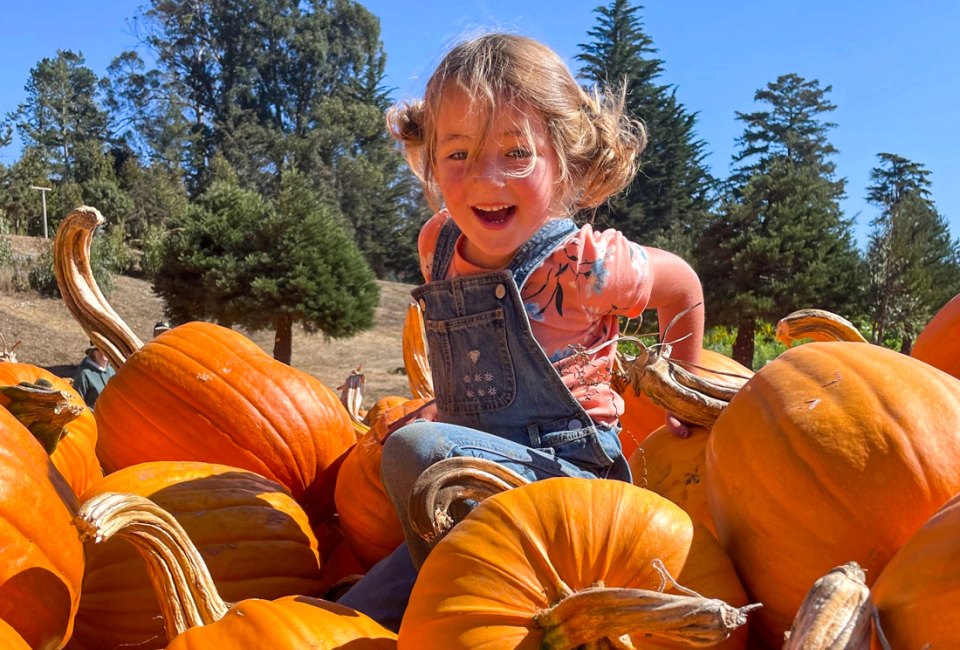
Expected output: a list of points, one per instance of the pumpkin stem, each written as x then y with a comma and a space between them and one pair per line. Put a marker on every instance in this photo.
835, 613
415, 360
42, 409
452, 481
816, 324
610, 614
81, 294
8, 354
351, 396
692, 398
185, 591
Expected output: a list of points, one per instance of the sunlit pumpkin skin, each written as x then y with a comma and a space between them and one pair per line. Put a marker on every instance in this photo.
675, 468
831, 453
206, 393
367, 516
9, 639
482, 584
41, 557
641, 417
255, 539
918, 593
290, 623
939, 341
75, 456
381, 406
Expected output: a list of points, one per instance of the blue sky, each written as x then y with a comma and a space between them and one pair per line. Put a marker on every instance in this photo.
894, 67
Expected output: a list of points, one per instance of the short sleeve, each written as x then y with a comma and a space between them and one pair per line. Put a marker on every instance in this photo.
619, 278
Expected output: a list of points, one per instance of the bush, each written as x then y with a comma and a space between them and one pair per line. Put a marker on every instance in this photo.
102, 263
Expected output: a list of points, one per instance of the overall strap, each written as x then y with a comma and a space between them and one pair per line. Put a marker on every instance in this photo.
531, 255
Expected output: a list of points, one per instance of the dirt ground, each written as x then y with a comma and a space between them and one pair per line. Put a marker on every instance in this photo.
49, 336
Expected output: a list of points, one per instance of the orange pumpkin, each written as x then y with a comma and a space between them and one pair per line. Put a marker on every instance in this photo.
939, 341
367, 516
522, 551
381, 406
75, 455
9, 639
918, 593
195, 615
831, 453
254, 538
641, 417
675, 468
206, 393
41, 558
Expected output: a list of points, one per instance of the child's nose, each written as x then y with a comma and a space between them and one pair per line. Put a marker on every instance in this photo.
491, 170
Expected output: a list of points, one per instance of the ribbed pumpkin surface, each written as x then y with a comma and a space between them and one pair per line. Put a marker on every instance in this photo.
481, 586
253, 536
831, 453
206, 393
75, 456
41, 557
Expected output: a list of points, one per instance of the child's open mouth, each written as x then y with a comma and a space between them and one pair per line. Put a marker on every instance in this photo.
495, 215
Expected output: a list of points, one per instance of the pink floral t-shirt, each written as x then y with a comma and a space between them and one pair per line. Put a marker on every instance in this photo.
572, 301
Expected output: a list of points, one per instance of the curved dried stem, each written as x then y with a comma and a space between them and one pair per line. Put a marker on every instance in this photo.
452, 481
692, 398
415, 358
351, 396
8, 354
43, 410
186, 593
611, 615
81, 294
836, 612
818, 325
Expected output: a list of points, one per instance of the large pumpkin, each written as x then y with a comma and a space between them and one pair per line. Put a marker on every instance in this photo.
641, 417
41, 558
939, 341
254, 538
523, 551
918, 593
206, 393
831, 453
10, 639
75, 455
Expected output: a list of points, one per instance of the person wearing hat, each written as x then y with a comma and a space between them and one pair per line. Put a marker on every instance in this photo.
160, 327
92, 374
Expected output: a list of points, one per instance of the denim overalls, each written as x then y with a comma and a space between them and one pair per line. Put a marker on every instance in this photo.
498, 397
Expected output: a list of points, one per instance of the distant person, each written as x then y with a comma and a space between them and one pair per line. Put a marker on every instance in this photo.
160, 327
92, 375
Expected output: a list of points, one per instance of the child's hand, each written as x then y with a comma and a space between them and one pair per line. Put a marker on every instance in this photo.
676, 427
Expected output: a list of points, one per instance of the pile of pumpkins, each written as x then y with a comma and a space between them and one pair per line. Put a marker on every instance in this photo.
218, 498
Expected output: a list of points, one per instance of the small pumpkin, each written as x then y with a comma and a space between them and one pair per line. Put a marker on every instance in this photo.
254, 538
939, 340
195, 616
75, 454
10, 639
831, 453
367, 516
41, 558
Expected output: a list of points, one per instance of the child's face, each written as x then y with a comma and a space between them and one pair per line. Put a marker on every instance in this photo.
490, 188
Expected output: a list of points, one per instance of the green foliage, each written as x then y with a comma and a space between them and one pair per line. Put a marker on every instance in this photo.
103, 264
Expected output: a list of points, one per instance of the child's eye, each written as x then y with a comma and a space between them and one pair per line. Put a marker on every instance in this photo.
519, 152
457, 155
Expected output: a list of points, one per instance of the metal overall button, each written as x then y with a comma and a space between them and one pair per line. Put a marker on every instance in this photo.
500, 291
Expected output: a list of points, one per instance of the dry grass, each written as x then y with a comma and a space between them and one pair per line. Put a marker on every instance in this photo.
50, 337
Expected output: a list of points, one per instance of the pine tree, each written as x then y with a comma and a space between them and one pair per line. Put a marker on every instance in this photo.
913, 261
238, 259
668, 202
780, 241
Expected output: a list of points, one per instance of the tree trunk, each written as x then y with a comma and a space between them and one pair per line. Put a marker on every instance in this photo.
743, 345
283, 339
907, 344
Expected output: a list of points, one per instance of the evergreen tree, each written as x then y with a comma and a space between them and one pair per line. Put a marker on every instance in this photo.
20, 206
914, 263
668, 202
240, 260
780, 241
61, 113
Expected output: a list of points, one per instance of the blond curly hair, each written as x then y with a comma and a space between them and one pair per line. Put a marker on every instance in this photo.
597, 144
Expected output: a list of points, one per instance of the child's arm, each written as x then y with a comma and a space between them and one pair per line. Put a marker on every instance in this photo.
676, 289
